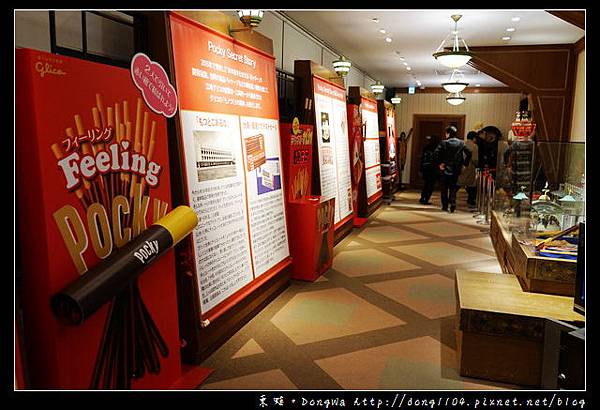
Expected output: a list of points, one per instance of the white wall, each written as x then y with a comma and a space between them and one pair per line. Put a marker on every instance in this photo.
290, 42
492, 109
578, 120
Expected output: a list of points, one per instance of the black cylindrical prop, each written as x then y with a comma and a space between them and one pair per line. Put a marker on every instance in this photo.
80, 299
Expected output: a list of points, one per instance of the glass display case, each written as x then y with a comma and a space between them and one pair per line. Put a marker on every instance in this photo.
540, 188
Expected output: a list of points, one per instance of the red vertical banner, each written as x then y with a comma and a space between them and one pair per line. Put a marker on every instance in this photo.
357, 153
371, 146
232, 163
296, 145
93, 173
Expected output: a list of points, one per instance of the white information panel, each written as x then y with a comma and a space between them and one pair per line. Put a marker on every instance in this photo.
332, 141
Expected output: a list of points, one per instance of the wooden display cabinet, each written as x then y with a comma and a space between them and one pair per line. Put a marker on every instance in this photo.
500, 327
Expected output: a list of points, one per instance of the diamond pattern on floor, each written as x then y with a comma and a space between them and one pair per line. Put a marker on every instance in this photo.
327, 314
249, 349
421, 363
431, 296
441, 253
355, 263
385, 234
382, 318
445, 229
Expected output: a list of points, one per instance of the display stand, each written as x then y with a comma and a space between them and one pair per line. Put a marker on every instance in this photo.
357, 158
500, 328
322, 94
387, 149
370, 191
229, 169
312, 245
311, 220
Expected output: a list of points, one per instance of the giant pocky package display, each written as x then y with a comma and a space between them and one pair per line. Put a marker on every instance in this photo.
92, 174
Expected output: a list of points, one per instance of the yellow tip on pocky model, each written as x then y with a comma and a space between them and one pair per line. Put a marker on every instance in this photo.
179, 222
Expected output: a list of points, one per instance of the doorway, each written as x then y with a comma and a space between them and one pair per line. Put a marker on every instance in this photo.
434, 125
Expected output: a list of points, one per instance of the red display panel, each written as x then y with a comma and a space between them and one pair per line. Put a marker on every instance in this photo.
296, 145
371, 148
231, 162
92, 173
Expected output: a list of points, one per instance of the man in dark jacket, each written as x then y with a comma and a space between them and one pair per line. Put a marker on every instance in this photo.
451, 155
428, 170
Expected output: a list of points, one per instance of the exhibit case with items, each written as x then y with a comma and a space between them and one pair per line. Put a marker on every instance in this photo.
538, 202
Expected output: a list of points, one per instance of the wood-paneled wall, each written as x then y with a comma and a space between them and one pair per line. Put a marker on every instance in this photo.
546, 72
491, 109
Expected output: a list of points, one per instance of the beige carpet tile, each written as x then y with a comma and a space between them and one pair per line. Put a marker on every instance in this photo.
421, 363
385, 234
483, 243
269, 380
400, 216
355, 263
327, 314
431, 296
445, 229
442, 253
249, 349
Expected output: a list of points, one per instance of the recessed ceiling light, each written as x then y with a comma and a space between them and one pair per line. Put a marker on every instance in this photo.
388, 39
511, 29
477, 85
375, 20
506, 38
408, 68
382, 31
516, 18
405, 63
402, 58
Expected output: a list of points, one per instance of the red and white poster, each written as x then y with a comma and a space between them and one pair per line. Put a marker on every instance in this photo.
371, 146
391, 139
230, 132
93, 173
332, 142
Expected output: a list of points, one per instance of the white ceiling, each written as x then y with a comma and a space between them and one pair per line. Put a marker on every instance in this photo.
417, 33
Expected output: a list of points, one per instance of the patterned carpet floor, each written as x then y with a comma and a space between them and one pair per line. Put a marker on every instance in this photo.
381, 318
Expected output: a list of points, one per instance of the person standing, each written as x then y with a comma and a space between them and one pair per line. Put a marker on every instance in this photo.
467, 176
451, 155
428, 170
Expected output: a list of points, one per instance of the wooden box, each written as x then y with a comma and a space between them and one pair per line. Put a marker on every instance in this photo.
500, 328
501, 242
541, 274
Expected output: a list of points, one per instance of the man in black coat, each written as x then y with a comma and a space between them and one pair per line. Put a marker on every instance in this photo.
451, 155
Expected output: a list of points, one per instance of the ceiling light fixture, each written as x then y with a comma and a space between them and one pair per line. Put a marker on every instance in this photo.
455, 85
506, 38
455, 99
342, 66
377, 88
382, 31
408, 68
516, 18
457, 57
510, 29
250, 19
388, 39
375, 20
477, 85
405, 63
